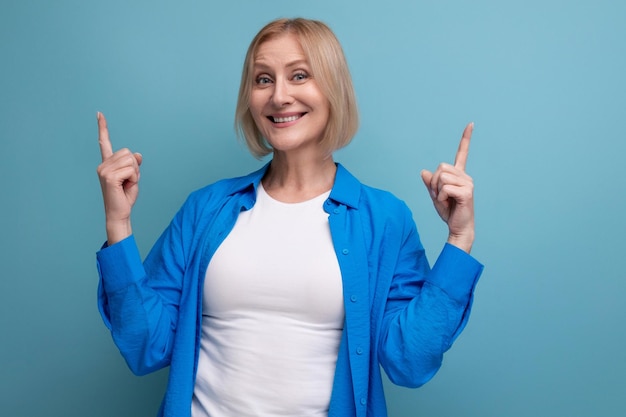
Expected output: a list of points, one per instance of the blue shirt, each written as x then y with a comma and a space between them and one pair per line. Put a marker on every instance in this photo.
398, 312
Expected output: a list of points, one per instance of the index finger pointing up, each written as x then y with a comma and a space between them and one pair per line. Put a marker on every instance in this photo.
106, 149
461, 154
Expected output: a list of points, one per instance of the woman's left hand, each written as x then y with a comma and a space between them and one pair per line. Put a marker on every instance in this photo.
452, 192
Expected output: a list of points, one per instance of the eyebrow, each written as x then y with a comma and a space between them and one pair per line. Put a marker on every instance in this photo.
294, 63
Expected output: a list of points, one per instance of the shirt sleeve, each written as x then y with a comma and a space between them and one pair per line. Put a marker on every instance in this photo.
426, 309
139, 301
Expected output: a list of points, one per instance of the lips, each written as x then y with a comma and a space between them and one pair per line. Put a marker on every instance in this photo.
285, 118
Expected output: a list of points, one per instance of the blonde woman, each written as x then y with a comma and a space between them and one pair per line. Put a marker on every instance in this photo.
280, 293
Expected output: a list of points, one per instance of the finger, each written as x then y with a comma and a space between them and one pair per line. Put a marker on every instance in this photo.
461, 154
120, 160
427, 177
106, 149
112, 181
452, 178
458, 193
435, 181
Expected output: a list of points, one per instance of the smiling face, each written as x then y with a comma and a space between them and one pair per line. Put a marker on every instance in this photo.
287, 105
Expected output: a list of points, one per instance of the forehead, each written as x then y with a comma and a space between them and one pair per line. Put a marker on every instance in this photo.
280, 49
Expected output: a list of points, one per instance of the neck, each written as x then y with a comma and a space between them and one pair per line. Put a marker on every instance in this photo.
294, 180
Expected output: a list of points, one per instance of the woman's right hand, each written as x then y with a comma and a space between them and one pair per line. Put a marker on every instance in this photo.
119, 179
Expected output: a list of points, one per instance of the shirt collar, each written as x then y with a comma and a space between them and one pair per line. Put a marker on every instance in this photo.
346, 189
247, 185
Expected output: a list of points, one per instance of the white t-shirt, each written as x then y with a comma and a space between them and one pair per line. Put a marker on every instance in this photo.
272, 315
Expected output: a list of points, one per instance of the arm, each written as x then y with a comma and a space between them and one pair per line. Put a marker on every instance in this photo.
139, 301
426, 309
138, 304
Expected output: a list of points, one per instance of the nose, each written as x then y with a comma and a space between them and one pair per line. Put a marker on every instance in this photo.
282, 94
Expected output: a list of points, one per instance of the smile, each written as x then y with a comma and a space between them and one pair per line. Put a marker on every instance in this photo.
285, 119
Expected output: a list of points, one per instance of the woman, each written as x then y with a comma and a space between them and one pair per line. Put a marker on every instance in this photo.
281, 292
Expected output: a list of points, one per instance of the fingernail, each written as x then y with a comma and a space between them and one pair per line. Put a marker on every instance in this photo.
98, 115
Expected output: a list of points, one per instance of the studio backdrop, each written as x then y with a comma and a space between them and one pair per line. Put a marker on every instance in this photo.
542, 80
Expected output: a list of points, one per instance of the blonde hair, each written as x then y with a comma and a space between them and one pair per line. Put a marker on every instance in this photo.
329, 69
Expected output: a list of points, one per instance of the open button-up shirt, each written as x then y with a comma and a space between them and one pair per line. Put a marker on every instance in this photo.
399, 313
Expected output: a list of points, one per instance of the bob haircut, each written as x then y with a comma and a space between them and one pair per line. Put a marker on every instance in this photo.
328, 68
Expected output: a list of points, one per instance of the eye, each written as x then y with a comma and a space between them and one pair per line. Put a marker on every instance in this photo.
300, 76
263, 80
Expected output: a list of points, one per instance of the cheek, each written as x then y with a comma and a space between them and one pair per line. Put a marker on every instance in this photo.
321, 102
258, 120
256, 110
255, 103
324, 109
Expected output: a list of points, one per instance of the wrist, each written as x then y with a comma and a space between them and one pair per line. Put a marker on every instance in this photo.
462, 241
118, 230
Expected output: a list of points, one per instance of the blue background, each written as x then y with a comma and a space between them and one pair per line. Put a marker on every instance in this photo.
543, 81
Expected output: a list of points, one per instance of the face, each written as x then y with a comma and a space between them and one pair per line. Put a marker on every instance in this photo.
285, 101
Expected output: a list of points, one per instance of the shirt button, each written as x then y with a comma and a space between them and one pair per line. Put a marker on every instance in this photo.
353, 298
359, 351
336, 211
345, 251
363, 401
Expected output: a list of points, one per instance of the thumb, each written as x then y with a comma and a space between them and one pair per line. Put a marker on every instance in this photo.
427, 176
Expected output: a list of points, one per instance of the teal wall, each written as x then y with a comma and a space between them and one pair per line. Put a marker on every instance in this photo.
544, 81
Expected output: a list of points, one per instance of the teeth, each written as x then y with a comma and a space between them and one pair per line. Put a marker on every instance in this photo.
285, 119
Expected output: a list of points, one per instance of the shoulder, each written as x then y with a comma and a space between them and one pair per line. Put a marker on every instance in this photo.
386, 222
380, 205
381, 199
386, 212
217, 193
360, 195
